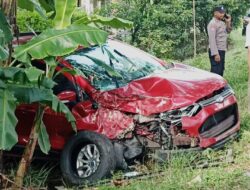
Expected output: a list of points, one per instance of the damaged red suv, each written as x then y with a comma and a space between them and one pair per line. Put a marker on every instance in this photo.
145, 105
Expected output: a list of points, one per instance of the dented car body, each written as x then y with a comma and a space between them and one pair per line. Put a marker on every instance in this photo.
145, 105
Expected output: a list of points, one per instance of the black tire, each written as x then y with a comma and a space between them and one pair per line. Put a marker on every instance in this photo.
75, 149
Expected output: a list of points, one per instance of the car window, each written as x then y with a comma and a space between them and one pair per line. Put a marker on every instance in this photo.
84, 61
112, 66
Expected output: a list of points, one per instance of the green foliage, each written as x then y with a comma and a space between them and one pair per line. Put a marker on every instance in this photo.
64, 12
38, 175
47, 5
105, 21
43, 137
5, 36
3, 53
32, 5
47, 43
27, 20
159, 28
5, 28
165, 28
79, 13
21, 86
8, 119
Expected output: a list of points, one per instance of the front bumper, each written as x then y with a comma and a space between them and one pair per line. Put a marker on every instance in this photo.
219, 132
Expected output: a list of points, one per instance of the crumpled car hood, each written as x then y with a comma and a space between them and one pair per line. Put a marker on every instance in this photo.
175, 88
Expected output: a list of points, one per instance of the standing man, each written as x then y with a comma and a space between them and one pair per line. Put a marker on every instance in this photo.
247, 45
218, 29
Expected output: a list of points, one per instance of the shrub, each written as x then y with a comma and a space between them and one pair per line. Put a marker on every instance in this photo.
27, 20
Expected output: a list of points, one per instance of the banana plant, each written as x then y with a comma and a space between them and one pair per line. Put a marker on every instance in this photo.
5, 37
28, 85
19, 85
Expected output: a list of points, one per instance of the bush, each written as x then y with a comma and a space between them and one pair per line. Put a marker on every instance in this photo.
163, 29
28, 21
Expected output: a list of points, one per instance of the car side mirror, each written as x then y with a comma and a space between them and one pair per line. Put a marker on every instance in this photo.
67, 96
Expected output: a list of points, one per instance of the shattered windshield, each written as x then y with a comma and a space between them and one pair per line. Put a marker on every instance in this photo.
113, 65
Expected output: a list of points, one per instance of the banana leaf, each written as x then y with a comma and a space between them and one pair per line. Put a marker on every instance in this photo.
113, 22
3, 53
32, 5
59, 42
43, 138
8, 120
47, 5
6, 35
64, 11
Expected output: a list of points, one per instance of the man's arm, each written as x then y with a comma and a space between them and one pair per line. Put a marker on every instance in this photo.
248, 59
212, 39
247, 45
229, 24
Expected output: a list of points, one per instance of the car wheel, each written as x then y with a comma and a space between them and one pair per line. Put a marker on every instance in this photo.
86, 158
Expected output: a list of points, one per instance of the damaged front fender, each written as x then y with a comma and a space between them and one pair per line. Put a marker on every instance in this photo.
111, 123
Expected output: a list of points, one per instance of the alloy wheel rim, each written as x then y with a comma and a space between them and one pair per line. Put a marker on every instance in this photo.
88, 160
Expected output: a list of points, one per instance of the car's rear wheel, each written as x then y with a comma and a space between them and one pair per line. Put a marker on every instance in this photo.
86, 158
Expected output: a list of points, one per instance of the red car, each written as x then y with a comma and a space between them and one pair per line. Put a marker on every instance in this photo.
146, 104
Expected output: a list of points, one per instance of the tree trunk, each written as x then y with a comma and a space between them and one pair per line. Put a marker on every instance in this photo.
248, 100
6, 5
1, 168
248, 97
194, 23
29, 149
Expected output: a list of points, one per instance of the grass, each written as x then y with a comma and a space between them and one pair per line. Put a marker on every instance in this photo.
179, 172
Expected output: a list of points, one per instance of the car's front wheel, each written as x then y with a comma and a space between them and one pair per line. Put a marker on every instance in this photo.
86, 158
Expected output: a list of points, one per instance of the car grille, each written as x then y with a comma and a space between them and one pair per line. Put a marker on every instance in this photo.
217, 97
220, 122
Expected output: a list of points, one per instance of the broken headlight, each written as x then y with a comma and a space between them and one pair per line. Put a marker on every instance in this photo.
174, 115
